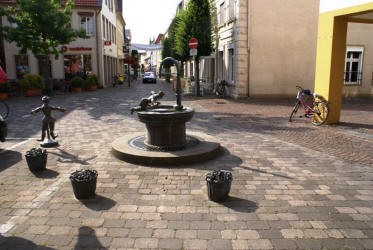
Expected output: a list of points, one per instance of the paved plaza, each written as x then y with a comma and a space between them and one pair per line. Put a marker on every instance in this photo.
295, 186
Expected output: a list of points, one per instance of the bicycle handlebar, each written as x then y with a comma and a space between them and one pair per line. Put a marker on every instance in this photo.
299, 87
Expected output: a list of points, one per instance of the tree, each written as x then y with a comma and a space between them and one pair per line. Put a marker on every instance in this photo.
195, 22
40, 26
167, 52
135, 65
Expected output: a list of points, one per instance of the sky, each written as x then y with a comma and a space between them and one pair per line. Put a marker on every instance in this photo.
147, 18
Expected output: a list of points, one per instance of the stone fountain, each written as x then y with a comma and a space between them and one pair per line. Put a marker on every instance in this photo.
166, 141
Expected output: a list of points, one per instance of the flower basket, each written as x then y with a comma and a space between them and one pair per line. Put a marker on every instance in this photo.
218, 185
36, 159
77, 90
33, 92
84, 183
3, 96
92, 88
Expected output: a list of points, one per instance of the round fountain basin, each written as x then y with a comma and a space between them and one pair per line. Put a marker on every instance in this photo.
166, 127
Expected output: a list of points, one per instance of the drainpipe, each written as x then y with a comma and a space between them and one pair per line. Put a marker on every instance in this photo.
98, 50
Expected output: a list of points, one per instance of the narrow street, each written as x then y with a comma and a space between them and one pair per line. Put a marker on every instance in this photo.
294, 185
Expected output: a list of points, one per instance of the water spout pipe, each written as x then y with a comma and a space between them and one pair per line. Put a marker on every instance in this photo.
178, 82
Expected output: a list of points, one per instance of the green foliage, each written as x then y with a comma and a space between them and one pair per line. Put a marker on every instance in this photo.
194, 22
92, 80
4, 87
32, 82
135, 65
166, 51
76, 82
40, 26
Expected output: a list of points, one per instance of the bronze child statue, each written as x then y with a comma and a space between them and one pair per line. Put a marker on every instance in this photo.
48, 121
149, 103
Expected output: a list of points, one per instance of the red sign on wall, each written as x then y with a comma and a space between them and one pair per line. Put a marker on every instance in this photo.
80, 49
107, 43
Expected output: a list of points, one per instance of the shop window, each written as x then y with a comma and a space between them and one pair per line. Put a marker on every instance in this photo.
353, 65
77, 65
22, 66
86, 22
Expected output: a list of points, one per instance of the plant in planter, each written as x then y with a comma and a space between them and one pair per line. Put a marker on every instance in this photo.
77, 83
84, 183
92, 82
32, 84
4, 90
3, 129
218, 185
36, 159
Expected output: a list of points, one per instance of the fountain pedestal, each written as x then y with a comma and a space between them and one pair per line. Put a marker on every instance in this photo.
166, 127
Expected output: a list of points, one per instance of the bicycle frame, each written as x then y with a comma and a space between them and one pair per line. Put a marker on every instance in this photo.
307, 108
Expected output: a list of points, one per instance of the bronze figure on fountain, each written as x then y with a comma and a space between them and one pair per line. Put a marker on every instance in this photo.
48, 122
149, 103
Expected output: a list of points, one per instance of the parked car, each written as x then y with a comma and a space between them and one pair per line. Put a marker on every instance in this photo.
149, 77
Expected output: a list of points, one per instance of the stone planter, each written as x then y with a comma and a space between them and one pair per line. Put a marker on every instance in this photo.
77, 90
218, 185
3, 130
3, 96
36, 159
84, 183
33, 92
92, 88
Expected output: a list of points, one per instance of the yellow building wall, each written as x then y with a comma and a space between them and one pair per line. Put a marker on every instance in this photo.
330, 58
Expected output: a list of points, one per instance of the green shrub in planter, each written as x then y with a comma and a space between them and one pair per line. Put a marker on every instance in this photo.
77, 82
32, 82
92, 80
4, 87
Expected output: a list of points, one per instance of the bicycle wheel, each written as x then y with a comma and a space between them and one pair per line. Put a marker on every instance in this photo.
320, 113
4, 110
295, 110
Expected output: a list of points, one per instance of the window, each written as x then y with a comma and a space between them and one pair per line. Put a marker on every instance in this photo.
231, 65
353, 65
221, 65
107, 30
231, 9
103, 27
221, 14
21, 65
106, 2
86, 22
77, 65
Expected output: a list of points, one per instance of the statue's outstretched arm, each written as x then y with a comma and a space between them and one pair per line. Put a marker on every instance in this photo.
34, 111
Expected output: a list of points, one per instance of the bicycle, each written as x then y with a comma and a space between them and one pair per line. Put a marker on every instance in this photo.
314, 105
4, 110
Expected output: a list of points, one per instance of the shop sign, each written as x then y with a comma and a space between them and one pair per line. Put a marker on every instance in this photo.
107, 43
80, 49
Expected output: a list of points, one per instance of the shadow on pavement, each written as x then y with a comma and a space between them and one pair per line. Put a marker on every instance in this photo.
46, 174
19, 243
9, 158
352, 125
266, 172
70, 158
87, 239
240, 205
99, 203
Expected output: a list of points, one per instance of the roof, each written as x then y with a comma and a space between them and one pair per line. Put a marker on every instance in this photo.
77, 3
159, 39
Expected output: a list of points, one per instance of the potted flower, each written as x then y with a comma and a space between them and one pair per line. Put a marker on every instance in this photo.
32, 84
92, 82
77, 83
218, 185
84, 183
4, 90
36, 159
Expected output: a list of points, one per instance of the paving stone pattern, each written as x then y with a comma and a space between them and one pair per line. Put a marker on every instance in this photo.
292, 189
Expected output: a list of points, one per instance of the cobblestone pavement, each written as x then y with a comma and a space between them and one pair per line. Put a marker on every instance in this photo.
295, 186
